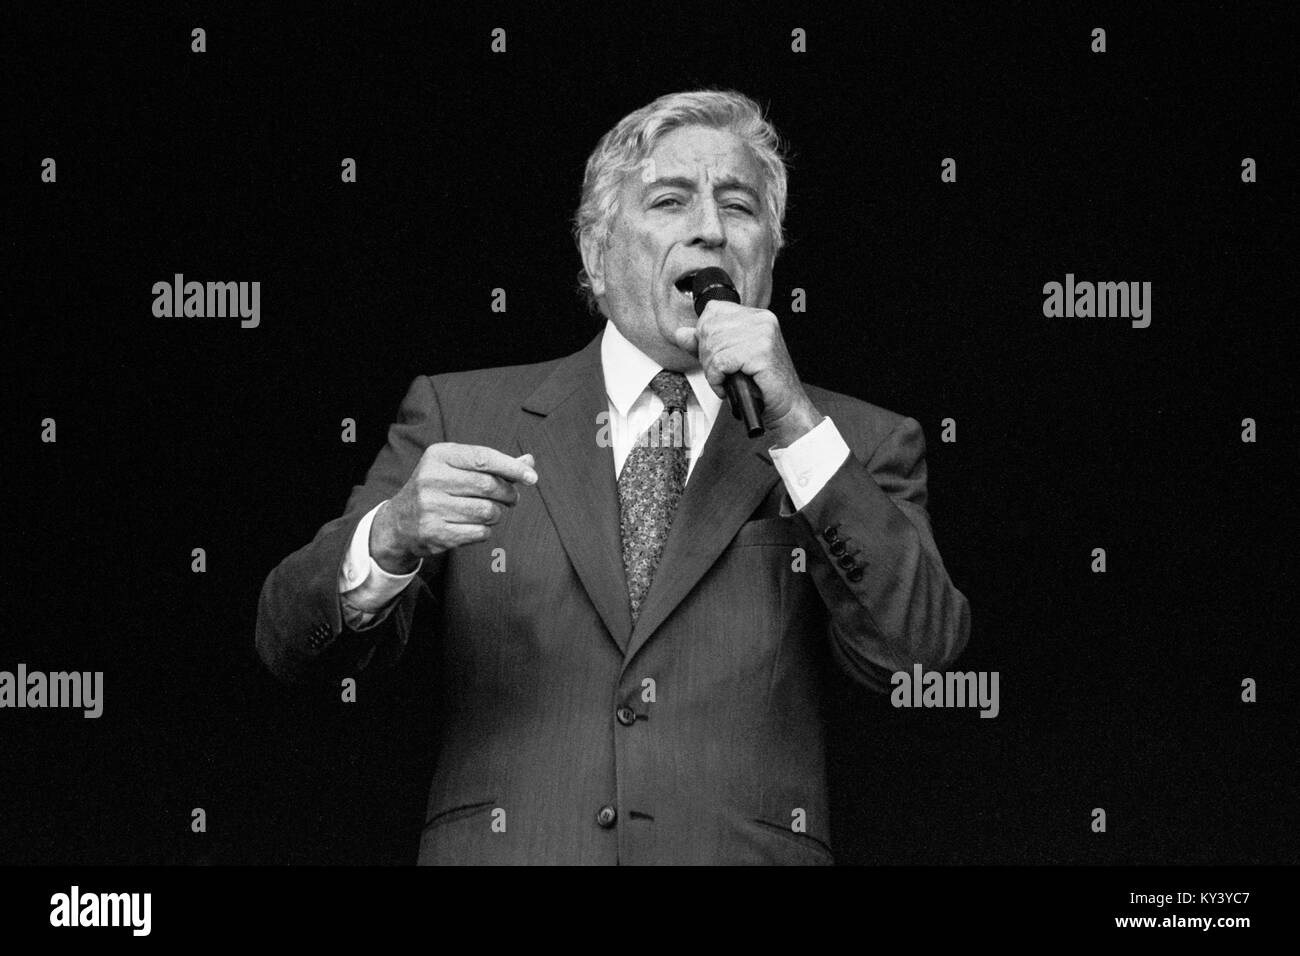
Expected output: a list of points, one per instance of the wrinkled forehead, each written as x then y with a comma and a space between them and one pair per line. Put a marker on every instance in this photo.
703, 156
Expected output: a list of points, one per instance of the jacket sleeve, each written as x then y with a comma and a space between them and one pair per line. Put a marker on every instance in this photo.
301, 635
879, 572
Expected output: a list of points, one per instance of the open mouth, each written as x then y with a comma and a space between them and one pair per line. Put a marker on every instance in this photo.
683, 285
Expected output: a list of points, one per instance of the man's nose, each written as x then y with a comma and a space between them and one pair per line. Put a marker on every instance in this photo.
707, 225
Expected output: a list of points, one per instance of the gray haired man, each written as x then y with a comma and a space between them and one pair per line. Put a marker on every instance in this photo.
630, 630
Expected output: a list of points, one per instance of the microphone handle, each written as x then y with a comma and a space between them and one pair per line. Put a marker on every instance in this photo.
746, 401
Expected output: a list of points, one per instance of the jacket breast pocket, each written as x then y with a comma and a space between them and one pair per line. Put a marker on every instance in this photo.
773, 532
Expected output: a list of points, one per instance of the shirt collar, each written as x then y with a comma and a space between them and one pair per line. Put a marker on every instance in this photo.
628, 372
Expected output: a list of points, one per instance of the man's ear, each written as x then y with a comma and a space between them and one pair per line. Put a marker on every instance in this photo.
593, 260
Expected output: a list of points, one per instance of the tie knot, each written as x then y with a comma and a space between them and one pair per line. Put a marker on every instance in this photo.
672, 389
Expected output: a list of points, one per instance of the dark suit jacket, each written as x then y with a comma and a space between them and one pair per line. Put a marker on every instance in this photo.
698, 730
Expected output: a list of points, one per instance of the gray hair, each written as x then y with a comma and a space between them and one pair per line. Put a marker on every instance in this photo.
622, 150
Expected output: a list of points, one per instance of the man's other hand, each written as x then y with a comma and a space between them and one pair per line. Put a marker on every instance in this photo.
453, 497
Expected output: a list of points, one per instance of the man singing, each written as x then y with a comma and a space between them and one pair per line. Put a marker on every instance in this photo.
631, 616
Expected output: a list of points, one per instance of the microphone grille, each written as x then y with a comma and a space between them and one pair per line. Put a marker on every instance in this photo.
711, 279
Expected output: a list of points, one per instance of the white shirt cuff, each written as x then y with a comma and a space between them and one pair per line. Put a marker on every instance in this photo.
809, 462
362, 582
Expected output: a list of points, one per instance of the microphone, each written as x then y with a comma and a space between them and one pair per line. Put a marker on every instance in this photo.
745, 398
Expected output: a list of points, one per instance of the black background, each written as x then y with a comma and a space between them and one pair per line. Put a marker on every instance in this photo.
1118, 690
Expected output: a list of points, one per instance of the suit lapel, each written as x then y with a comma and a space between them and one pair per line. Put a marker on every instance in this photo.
578, 487
561, 428
730, 480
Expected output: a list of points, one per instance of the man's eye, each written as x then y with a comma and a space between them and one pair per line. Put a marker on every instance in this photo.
668, 199
741, 207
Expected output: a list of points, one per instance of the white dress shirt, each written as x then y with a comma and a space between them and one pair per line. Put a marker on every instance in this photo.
367, 591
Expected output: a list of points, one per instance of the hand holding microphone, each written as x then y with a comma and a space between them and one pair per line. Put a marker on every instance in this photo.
740, 347
745, 398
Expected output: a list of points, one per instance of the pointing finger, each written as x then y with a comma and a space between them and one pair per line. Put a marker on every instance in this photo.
482, 458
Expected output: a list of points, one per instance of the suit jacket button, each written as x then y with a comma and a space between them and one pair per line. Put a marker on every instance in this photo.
847, 562
855, 575
832, 533
837, 548
626, 716
606, 817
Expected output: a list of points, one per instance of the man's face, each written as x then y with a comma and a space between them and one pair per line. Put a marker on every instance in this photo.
697, 201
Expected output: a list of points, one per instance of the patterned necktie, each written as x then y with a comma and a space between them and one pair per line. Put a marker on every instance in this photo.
651, 484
